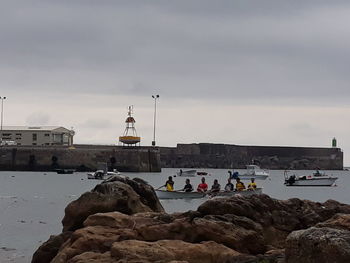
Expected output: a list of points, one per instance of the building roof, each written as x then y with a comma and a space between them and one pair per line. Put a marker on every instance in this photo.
33, 128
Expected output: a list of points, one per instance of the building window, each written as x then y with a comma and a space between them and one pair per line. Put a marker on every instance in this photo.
35, 137
18, 138
34, 143
47, 134
18, 134
7, 134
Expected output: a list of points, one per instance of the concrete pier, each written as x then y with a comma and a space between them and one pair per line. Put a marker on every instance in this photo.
79, 157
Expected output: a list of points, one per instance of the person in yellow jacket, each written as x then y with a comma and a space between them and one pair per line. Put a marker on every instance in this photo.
252, 184
239, 185
169, 184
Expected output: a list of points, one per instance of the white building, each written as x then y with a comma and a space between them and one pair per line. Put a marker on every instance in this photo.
36, 135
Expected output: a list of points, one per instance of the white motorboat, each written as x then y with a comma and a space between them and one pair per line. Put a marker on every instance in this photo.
247, 192
102, 175
315, 179
252, 171
188, 173
163, 194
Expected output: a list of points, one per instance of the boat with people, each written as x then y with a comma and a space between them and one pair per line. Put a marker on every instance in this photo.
102, 175
188, 173
252, 171
316, 179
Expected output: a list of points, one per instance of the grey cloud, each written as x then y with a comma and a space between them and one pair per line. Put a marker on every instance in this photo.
38, 118
204, 49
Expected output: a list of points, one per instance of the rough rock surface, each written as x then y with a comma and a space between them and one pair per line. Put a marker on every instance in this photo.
328, 242
118, 194
237, 229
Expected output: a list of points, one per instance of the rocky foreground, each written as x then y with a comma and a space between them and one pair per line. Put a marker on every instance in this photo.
121, 220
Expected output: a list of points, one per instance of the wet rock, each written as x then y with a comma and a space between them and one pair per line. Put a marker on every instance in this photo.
119, 194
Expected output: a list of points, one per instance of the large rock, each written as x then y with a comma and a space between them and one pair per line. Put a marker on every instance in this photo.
237, 229
118, 194
315, 245
329, 242
47, 251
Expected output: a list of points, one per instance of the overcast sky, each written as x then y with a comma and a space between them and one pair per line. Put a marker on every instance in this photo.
239, 72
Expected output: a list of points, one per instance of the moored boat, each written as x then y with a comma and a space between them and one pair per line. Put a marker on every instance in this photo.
252, 171
188, 173
65, 171
163, 194
203, 173
101, 175
315, 179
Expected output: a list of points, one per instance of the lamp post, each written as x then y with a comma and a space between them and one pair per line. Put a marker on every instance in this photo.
2, 113
155, 97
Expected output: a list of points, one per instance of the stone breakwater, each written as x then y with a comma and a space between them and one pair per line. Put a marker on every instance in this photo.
121, 220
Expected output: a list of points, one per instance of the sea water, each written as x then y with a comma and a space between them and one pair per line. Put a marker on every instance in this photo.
32, 203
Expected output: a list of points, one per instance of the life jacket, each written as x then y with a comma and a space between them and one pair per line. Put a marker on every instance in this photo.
252, 186
240, 186
169, 187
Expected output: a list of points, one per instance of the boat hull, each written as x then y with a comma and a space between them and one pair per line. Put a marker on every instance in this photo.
178, 195
189, 173
313, 182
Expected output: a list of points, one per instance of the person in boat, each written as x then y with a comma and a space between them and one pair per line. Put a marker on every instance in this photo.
233, 174
180, 173
317, 173
252, 184
229, 186
169, 184
202, 187
188, 186
239, 185
215, 187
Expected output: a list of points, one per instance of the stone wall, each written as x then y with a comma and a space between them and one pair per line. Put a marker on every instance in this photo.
225, 156
80, 157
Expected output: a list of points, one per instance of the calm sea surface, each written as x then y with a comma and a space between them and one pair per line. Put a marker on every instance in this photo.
32, 203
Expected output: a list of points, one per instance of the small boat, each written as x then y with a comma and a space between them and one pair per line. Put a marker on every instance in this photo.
203, 173
246, 192
101, 175
254, 171
65, 171
188, 173
163, 194
316, 179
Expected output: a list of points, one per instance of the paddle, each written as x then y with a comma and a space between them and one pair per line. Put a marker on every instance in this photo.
160, 187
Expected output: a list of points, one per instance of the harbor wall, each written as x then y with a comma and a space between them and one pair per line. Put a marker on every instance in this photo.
79, 157
207, 155
152, 159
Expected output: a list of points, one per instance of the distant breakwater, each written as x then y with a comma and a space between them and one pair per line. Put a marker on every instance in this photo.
207, 155
152, 159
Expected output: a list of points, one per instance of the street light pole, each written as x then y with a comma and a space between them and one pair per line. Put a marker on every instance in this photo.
155, 97
2, 113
